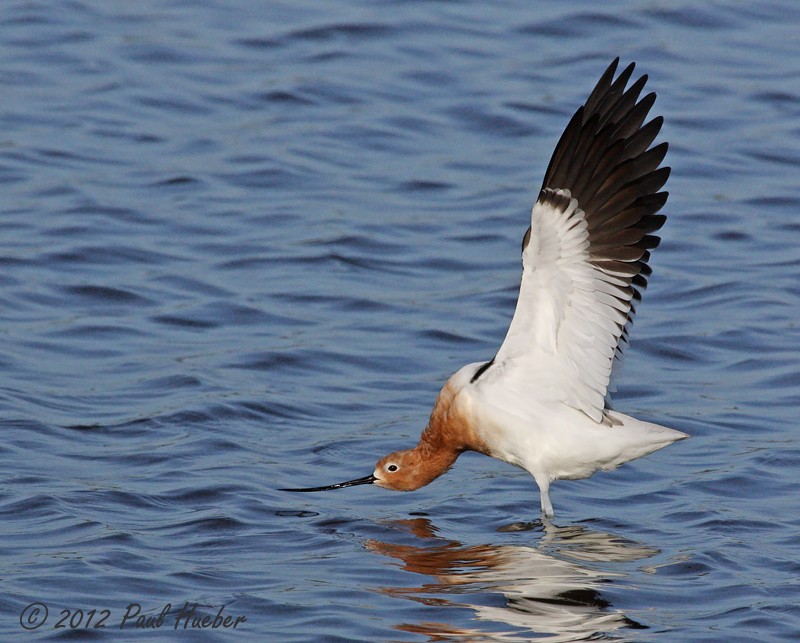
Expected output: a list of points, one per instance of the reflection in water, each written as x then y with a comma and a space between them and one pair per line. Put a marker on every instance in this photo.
549, 589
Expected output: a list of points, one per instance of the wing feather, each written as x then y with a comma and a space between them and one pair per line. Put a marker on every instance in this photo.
585, 254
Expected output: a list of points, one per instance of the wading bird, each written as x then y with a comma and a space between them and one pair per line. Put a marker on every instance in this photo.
542, 402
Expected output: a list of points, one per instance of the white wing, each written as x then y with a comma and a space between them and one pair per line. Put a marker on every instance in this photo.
585, 255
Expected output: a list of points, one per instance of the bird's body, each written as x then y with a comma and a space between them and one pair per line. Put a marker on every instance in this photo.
550, 440
542, 402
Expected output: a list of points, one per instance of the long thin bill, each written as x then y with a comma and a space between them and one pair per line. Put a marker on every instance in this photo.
352, 483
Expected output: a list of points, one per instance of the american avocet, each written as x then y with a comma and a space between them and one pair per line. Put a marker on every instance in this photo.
542, 402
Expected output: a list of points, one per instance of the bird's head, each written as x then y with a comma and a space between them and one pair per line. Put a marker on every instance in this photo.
405, 471
400, 471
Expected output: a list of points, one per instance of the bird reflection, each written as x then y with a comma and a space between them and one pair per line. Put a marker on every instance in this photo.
552, 589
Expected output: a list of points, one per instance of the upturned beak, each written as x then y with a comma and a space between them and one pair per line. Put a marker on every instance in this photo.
352, 483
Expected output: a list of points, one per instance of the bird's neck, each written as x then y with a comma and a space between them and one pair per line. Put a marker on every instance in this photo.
449, 433
451, 429
437, 459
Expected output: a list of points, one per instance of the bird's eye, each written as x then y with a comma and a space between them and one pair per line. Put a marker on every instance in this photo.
392, 468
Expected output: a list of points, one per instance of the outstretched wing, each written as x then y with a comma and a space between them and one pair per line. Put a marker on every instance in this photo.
585, 254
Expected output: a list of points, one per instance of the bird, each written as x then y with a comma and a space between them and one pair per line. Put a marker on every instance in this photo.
542, 402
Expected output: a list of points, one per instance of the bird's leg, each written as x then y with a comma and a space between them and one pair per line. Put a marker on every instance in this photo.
547, 506
544, 492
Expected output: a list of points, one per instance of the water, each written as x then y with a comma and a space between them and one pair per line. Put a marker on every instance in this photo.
242, 246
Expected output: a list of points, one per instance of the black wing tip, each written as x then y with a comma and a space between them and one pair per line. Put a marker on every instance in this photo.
591, 120
607, 159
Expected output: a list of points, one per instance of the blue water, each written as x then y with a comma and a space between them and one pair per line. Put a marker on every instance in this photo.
243, 244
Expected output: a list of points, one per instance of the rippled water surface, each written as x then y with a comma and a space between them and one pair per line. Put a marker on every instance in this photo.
243, 244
